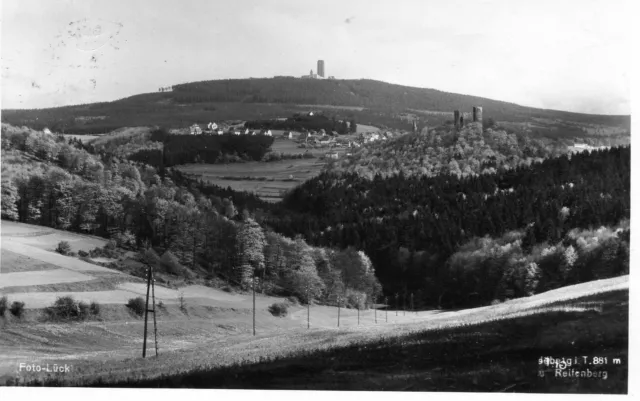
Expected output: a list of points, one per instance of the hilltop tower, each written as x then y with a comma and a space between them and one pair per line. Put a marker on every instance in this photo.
477, 114
321, 68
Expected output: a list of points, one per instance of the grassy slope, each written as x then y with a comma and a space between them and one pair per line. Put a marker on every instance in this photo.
493, 348
269, 179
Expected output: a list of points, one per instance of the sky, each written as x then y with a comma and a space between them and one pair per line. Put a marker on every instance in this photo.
559, 54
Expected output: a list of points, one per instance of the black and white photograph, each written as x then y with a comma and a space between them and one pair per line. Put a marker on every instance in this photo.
427, 198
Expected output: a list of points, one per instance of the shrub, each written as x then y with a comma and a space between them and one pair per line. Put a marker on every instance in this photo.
226, 288
17, 308
125, 240
171, 264
65, 308
183, 303
83, 254
83, 310
356, 299
149, 257
161, 305
110, 245
279, 309
94, 308
4, 302
137, 305
63, 248
293, 299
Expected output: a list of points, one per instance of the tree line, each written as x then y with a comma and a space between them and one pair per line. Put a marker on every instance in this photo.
303, 123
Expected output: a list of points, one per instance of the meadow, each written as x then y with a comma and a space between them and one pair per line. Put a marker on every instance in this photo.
496, 348
269, 180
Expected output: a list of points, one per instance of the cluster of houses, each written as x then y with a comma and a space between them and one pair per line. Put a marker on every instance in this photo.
581, 147
214, 129
367, 137
318, 138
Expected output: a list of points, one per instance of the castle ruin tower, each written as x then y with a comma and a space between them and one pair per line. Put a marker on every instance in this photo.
477, 114
456, 118
321, 68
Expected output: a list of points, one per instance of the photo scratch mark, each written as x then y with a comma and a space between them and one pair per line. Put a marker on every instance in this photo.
93, 34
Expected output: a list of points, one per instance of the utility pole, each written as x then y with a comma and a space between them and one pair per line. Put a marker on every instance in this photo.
253, 286
308, 309
146, 314
412, 303
386, 310
339, 300
404, 303
358, 310
397, 304
375, 310
155, 324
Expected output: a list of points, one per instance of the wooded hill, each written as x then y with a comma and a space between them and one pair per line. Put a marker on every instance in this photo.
369, 102
413, 227
445, 150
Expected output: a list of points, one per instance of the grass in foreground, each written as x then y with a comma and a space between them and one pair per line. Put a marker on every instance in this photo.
497, 355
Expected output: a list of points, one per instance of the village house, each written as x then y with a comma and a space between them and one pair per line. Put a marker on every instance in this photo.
325, 140
331, 155
195, 129
46, 131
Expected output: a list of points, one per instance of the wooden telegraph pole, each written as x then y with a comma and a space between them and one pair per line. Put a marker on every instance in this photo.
375, 310
150, 287
358, 310
339, 301
386, 310
397, 304
253, 285
404, 304
412, 308
155, 322
308, 309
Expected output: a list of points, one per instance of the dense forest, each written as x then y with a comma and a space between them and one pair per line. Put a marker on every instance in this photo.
413, 227
302, 123
48, 181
